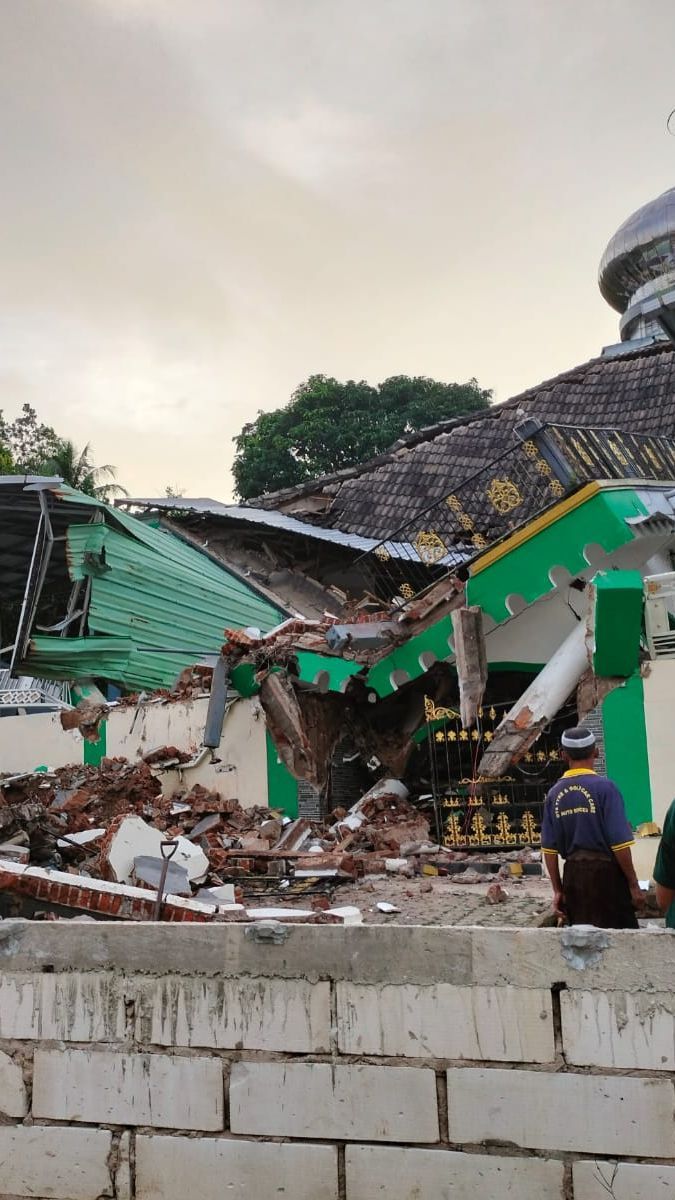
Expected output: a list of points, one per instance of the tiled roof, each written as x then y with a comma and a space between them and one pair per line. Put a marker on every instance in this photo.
634, 392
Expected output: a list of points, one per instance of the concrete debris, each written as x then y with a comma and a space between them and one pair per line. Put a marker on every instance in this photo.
396, 866
80, 839
59, 891
166, 756
496, 894
90, 840
295, 835
348, 914
12, 852
86, 717
131, 838
147, 869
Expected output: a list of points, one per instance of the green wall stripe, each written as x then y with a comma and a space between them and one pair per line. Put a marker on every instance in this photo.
282, 787
95, 751
623, 719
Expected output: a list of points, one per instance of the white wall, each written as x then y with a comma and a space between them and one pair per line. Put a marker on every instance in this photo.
659, 693
351, 1063
27, 742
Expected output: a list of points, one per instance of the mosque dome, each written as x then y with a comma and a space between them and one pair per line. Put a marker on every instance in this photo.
637, 270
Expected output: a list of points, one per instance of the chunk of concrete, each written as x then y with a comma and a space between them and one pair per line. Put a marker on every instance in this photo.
349, 914
148, 869
81, 838
135, 839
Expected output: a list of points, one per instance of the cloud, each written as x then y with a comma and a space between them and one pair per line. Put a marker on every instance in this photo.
203, 203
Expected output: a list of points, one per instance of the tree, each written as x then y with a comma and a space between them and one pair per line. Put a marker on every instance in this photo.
76, 469
328, 425
27, 441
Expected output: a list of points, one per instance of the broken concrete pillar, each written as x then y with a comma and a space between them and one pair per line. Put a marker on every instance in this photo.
538, 704
471, 661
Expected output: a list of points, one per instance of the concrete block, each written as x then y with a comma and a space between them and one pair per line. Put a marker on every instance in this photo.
612, 959
167, 1168
592, 1114
128, 1089
72, 1006
13, 1100
55, 1163
504, 1024
399, 1173
319, 1100
635, 1031
288, 1015
364, 953
622, 1181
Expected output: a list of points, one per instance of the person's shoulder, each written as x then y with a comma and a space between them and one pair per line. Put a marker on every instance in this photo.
669, 820
606, 786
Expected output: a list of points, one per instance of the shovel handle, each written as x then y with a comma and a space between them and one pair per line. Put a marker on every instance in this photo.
167, 850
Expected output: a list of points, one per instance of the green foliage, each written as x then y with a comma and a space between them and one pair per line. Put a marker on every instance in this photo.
6, 461
76, 468
27, 441
328, 425
29, 447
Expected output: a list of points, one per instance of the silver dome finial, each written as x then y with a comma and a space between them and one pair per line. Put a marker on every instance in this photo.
637, 270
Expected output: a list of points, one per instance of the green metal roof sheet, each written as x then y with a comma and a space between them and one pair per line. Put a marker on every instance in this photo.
157, 605
60, 658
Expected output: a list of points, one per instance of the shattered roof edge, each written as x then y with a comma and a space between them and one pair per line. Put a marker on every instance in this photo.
270, 518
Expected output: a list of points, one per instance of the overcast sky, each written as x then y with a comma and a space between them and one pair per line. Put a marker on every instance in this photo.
202, 202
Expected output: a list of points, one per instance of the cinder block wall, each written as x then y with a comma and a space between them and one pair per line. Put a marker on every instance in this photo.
324, 1062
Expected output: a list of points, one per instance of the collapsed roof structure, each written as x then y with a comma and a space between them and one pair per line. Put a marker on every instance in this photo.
435, 614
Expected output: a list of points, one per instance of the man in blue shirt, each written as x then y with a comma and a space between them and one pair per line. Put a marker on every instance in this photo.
585, 823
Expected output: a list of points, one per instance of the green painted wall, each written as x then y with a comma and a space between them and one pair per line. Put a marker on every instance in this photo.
311, 664
524, 571
95, 751
618, 623
282, 787
407, 657
623, 719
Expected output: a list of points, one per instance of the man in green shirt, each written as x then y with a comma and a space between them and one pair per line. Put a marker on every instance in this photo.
664, 869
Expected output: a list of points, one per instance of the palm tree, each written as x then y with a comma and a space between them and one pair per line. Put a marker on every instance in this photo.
76, 468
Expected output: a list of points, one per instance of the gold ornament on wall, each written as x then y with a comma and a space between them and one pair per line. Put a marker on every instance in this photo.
582, 452
434, 712
466, 522
430, 547
617, 452
504, 496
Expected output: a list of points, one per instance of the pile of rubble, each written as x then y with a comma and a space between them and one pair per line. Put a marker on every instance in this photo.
105, 841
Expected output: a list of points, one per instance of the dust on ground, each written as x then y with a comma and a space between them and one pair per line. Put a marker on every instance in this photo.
441, 901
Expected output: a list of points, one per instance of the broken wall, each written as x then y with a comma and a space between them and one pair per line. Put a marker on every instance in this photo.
129, 731
658, 691
335, 1063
